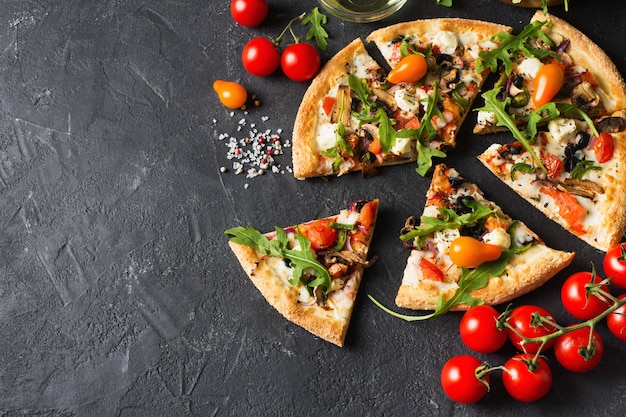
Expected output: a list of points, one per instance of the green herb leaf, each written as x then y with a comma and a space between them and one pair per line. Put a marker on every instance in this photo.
543, 114
511, 46
469, 281
449, 220
447, 3
363, 93
301, 259
425, 155
570, 110
317, 31
504, 119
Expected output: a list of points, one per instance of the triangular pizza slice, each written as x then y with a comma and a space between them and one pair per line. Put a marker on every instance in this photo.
356, 116
311, 272
465, 249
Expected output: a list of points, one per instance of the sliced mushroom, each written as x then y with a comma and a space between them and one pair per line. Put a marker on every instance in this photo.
585, 98
387, 99
344, 257
343, 106
612, 124
449, 80
580, 187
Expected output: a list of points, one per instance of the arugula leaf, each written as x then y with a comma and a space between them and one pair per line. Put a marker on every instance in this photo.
449, 220
447, 3
363, 93
572, 111
301, 259
317, 31
425, 133
386, 132
469, 281
512, 45
504, 119
543, 114
425, 155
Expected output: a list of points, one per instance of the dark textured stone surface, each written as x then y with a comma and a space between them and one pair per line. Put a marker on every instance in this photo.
118, 294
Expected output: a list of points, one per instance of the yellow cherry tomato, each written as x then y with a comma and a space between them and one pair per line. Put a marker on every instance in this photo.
410, 69
468, 252
232, 95
547, 83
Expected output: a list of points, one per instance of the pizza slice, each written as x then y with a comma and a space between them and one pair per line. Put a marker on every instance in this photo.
550, 61
465, 250
572, 173
310, 273
354, 116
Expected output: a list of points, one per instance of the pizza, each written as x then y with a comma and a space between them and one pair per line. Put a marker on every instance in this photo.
355, 115
568, 156
311, 272
464, 248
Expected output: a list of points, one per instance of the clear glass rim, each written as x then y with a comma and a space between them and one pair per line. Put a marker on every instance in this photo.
361, 17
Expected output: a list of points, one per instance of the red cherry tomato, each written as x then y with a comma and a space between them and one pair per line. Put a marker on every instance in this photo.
527, 380
467, 252
479, 329
460, 382
548, 82
525, 320
232, 95
249, 12
300, 61
319, 233
615, 265
603, 147
410, 69
260, 57
576, 353
576, 300
616, 321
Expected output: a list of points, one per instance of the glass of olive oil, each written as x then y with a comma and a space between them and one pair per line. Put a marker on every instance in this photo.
362, 10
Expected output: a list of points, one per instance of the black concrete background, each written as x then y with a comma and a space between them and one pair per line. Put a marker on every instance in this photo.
118, 294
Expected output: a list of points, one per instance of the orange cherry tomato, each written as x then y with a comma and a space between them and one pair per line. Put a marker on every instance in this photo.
468, 252
231, 94
547, 84
410, 69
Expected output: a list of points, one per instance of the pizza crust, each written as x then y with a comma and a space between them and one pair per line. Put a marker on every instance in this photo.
319, 322
482, 30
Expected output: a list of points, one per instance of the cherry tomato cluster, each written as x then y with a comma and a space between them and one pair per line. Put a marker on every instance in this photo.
299, 61
532, 330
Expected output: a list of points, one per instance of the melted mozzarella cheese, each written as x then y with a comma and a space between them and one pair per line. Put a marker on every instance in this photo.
446, 41
326, 136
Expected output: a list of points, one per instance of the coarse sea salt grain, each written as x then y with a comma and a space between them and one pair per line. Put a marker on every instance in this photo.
256, 153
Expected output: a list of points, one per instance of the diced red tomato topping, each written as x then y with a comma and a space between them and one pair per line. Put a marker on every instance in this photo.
396, 53
553, 164
367, 215
430, 271
319, 233
327, 104
603, 147
569, 208
375, 146
589, 77
413, 123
